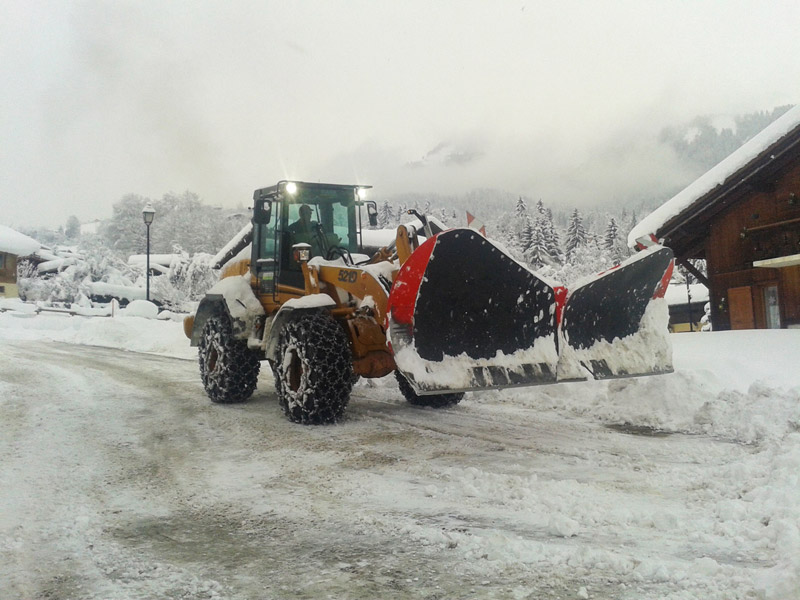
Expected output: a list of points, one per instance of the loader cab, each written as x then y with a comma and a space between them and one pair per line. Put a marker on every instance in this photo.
325, 216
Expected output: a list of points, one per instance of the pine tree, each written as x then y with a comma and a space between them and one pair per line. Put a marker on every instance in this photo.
526, 235
521, 209
551, 237
576, 234
542, 250
385, 216
521, 226
612, 241
402, 214
537, 254
612, 234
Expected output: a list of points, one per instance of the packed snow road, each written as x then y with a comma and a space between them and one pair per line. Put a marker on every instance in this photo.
119, 479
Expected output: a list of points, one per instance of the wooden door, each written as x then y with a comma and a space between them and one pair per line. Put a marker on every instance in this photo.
740, 301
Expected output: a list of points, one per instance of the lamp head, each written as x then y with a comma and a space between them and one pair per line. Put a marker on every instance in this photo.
148, 212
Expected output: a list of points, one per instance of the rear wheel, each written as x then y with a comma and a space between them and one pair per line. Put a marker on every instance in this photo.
228, 369
314, 369
433, 401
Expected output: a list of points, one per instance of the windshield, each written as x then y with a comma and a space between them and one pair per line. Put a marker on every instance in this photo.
332, 209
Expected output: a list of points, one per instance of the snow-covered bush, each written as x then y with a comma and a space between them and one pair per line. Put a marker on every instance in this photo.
706, 318
74, 271
584, 261
187, 281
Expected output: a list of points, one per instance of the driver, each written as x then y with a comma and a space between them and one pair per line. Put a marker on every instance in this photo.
303, 225
304, 230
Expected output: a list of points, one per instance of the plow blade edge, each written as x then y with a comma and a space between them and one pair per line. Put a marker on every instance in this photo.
616, 325
466, 316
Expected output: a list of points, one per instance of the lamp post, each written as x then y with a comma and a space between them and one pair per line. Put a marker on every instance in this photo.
148, 212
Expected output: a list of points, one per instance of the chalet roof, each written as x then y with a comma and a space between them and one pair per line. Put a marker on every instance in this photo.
682, 219
14, 242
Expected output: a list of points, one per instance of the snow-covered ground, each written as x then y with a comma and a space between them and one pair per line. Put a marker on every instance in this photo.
119, 479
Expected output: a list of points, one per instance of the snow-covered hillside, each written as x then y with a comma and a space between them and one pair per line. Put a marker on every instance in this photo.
119, 479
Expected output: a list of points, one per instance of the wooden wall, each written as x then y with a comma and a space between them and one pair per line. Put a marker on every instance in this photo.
731, 250
8, 276
8, 272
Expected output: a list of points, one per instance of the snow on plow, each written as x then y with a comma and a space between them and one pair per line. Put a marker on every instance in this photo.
464, 315
616, 324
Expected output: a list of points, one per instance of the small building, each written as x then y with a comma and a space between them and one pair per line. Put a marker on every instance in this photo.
743, 218
12, 245
686, 306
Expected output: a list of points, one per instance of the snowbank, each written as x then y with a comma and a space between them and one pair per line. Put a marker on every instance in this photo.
134, 333
736, 359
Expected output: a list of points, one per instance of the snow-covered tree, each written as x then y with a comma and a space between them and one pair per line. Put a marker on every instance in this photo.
526, 234
181, 219
402, 214
73, 228
552, 240
537, 254
521, 208
585, 260
385, 216
576, 234
612, 241
125, 232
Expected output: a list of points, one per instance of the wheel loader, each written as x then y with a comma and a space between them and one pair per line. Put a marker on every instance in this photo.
447, 310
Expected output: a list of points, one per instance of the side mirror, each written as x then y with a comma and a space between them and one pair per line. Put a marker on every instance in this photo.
372, 213
262, 212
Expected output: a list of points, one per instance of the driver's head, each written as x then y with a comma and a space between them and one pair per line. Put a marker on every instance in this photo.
305, 212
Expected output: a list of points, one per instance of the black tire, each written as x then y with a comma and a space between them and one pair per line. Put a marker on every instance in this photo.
228, 369
433, 401
314, 369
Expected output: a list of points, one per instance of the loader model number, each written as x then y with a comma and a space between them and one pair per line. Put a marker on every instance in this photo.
346, 276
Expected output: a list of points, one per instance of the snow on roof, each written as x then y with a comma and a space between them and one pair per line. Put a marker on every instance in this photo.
14, 242
677, 294
750, 150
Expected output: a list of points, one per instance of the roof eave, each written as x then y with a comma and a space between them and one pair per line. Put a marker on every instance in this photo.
772, 158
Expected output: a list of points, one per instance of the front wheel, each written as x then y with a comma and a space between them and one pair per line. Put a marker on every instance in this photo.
228, 369
433, 400
314, 369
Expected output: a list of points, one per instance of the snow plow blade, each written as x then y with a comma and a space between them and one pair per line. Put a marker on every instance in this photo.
616, 325
464, 315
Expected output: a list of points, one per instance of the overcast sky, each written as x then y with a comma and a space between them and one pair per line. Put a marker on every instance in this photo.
559, 100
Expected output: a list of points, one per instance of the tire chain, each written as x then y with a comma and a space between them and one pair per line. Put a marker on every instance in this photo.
323, 349
234, 374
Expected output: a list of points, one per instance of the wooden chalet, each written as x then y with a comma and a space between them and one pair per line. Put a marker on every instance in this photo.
12, 245
743, 218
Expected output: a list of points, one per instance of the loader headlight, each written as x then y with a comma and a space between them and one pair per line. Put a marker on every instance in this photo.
362, 193
291, 188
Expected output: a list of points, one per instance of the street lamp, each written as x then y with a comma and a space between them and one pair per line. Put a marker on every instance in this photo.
148, 212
